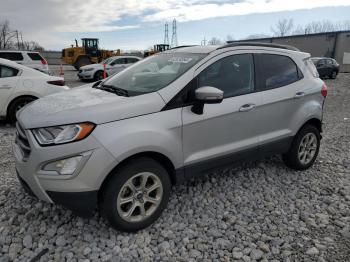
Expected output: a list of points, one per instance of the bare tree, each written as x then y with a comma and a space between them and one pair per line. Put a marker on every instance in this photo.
7, 36
32, 46
283, 27
215, 41
229, 38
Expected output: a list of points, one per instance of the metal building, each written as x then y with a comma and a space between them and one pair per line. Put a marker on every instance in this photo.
332, 44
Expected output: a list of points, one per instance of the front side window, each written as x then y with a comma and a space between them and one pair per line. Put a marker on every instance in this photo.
6, 71
233, 74
118, 61
276, 71
153, 73
131, 60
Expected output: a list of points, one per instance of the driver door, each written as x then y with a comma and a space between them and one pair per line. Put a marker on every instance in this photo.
225, 132
117, 65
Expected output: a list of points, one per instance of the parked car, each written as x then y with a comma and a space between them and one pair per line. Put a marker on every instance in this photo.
114, 65
326, 67
120, 144
20, 85
28, 58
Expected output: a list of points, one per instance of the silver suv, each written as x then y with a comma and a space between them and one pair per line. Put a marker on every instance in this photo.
120, 144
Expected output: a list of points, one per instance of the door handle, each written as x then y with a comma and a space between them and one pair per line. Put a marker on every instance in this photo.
246, 107
299, 94
5, 86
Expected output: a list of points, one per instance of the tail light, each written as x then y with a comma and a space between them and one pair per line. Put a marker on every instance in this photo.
43, 61
324, 90
56, 82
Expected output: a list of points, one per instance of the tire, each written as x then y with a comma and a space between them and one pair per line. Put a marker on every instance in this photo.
295, 158
82, 61
128, 216
16, 105
98, 76
333, 75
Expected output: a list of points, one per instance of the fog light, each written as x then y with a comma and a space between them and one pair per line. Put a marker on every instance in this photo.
64, 166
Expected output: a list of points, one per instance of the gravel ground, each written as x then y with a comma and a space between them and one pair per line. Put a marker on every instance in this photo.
70, 75
259, 211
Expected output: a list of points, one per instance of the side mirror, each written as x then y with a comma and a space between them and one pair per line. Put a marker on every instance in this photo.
206, 95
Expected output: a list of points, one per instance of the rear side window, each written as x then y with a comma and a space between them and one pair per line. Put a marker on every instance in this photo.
35, 56
276, 71
13, 56
119, 61
131, 60
6, 71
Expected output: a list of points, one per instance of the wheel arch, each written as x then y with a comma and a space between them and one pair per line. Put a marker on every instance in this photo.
14, 99
316, 122
156, 156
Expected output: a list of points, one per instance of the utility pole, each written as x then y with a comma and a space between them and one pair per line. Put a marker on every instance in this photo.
204, 41
174, 36
17, 39
166, 34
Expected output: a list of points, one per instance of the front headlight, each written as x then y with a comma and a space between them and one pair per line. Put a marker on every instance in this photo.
88, 70
56, 135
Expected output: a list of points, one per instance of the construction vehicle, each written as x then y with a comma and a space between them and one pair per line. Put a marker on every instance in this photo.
86, 54
156, 49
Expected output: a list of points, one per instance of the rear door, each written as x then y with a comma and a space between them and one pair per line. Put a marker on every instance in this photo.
8, 83
281, 93
225, 132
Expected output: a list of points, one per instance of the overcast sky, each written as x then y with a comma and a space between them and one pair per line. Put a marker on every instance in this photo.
138, 24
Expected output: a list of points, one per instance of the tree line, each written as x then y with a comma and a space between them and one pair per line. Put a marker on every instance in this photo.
13, 39
287, 27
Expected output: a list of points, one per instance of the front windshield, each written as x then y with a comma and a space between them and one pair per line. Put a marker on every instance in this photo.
153, 73
107, 61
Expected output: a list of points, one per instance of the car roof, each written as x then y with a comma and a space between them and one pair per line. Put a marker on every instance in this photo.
18, 51
238, 45
10, 63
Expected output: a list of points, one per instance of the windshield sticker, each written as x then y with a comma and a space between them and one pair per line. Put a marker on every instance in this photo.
183, 60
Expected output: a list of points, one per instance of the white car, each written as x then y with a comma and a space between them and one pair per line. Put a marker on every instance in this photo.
114, 64
28, 58
20, 85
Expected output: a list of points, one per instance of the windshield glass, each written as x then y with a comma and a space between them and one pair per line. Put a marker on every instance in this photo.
153, 73
107, 61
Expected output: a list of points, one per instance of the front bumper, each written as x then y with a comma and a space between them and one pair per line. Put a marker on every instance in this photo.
78, 191
87, 76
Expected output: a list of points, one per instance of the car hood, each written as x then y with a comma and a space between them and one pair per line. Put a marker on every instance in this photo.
86, 104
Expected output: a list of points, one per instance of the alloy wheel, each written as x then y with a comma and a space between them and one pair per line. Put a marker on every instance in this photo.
307, 148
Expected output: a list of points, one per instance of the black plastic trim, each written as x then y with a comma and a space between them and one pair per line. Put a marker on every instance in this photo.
81, 203
259, 44
280, 146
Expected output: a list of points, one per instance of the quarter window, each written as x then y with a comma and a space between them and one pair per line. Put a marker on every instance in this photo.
6, 71
233, 74
276, 71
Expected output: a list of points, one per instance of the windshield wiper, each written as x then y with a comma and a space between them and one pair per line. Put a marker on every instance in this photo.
114, 89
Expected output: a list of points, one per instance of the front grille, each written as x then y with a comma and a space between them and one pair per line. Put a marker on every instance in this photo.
22, 141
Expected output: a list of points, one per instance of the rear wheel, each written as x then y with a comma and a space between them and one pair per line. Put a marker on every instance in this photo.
16, 105
304, 148
334, 75
135, 196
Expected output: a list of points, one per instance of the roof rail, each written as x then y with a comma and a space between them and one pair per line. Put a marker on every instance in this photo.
181, 46
260, 44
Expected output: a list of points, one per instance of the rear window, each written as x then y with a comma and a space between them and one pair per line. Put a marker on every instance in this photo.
13, 56
35, 56
276, 71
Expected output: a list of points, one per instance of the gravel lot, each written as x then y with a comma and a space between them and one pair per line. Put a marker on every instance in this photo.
258, 211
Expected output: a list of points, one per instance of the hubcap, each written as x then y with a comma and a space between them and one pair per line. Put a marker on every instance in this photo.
307, 148
139, 197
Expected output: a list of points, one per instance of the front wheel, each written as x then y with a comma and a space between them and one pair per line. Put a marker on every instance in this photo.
304, 148
135, 196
